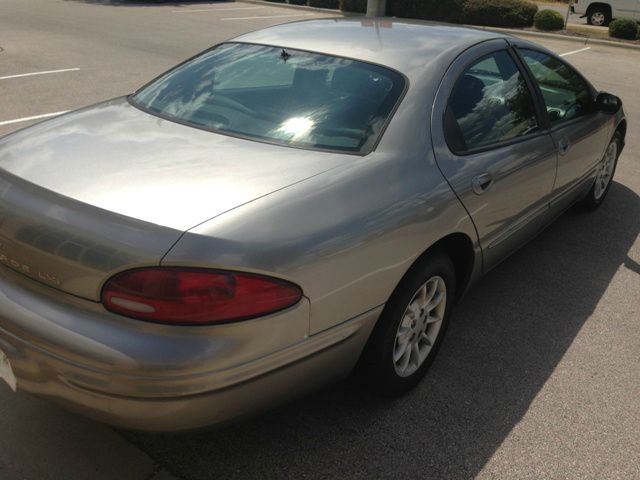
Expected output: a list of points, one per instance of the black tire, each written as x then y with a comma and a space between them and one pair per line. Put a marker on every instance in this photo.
593, 201
603, 10
376, 367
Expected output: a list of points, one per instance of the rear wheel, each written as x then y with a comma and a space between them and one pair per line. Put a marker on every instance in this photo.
604, 174
599, 15
411, 328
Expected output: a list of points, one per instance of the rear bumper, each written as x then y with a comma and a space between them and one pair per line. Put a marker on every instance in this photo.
151, 377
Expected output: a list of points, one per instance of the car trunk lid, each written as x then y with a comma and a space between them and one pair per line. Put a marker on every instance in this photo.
121, 159
110, 187
69, 245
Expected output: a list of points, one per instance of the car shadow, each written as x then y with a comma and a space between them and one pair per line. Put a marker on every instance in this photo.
506, 339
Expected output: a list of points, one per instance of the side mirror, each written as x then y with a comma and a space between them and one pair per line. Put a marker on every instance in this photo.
554, 115
607, 103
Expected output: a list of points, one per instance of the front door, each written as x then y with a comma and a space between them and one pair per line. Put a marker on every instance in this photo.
578, 130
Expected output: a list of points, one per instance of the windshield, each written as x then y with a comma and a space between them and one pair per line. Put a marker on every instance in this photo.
278, 95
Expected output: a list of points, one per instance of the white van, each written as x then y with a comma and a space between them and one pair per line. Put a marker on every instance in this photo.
600, 13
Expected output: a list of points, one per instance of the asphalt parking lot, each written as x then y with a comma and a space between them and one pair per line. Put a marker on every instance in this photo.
539, 377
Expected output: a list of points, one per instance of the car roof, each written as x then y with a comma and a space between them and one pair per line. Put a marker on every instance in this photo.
402, 44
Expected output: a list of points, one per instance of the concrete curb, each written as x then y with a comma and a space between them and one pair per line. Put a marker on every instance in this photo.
299, 7
582, 40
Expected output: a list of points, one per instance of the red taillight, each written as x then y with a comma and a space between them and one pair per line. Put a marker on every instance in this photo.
196, 296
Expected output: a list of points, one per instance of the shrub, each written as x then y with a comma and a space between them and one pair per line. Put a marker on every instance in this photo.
624, 28
500, 13
325, 3
298, 2
495, 13
438, 10
353, 5
548, 20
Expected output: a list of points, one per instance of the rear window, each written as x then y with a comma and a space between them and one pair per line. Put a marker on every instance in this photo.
278, 95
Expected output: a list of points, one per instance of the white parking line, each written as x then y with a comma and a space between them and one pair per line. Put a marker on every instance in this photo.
575, 51
46, 72
36, 117
186, 10
268, 16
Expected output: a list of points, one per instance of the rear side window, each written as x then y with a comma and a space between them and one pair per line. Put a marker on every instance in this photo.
490, 104
277, 95
566, 94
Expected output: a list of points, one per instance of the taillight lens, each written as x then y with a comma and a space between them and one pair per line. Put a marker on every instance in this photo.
196, 296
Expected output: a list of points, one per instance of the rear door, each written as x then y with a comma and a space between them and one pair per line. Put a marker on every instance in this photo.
491, 142
579, 131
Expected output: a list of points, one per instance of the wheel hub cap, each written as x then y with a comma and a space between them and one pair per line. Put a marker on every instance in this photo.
420, 326
597, 18
605, 172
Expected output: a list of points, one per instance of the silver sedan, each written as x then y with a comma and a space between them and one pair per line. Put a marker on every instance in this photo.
281, 210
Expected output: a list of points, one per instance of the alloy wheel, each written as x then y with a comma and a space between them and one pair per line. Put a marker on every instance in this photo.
598, 19
420, 325
605, 172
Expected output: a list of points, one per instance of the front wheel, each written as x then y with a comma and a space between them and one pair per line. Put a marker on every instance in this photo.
604, 174
411, 328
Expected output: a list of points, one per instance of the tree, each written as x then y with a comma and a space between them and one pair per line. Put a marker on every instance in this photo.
376, 8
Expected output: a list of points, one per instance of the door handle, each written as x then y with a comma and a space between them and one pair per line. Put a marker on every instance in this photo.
482, 183
563, 146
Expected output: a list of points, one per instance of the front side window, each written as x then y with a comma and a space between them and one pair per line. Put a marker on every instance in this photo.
566, 94
280, 96
490, 104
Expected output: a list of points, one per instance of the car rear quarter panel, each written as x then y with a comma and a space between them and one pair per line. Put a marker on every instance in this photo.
346, 237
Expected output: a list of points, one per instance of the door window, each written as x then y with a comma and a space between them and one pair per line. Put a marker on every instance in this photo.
490, 104
566, 94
